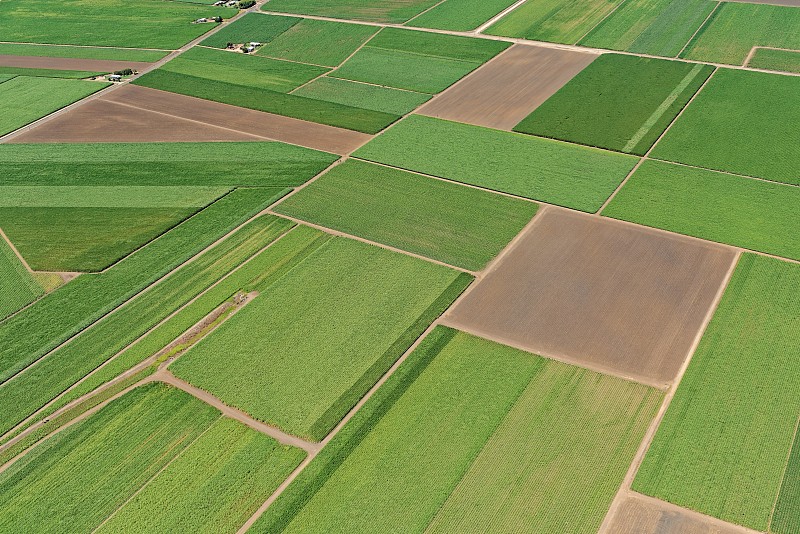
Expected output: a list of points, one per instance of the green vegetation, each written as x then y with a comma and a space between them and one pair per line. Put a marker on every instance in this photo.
464, 446
25, 99
261, 164
390, 11
460, 15
657, 27
786, 519
722, 446
252, 27
771, 59
17, 287
48, 73
618, 102
417, 61
6, 77
558, 21
738, 211
102, 460
318, 41
59, 196
458, 225
735, 28
81, 52
130, 24
745, 135
215, 486
338, 321
362, 95
542, 169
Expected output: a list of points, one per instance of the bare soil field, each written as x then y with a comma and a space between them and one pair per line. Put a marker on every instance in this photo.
639, 514
604, 295
509, 87
100, 121
64, 63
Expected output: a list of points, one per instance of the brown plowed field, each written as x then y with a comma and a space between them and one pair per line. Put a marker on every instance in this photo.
644, 515
99, 121
65, 63
505, 90
599, 293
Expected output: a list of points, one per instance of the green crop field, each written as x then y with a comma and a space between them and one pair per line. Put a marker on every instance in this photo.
130, 24
18, 287
460, 15
723, 445
318, 42
786, 517
618, 102
745, 135
457, 225
80, 52
215, 486
25, 99
729, 209
660, 27
48, 73
362, 95
735, 28
462, 456
558, 21
542, 169
391, 11
338, 320
252, 27
771, 59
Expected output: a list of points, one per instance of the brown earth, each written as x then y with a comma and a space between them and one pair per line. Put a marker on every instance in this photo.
509, 87
598, 293
66, 63
644, 515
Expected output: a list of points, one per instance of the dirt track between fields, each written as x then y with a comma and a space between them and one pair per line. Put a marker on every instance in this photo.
509, 87
600, 294
65, 63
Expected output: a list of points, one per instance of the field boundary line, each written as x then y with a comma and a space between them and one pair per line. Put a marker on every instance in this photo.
699, 29
783, 475
644, 446
418, 15
585, 35
492, 21
16, 252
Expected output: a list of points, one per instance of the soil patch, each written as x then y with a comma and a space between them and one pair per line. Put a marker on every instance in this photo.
66, 63
509, 87
598, 293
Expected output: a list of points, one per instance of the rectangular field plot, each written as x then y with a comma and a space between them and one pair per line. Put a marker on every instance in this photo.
363, 95
389, 11
460, 15
252, 27
735, 28
558, 21
656, 27
733, 125
621, 103
723, 444
217, 471
772, 59
449, 436
19, 106
444, 221
18, 287
786, 517
80, 52
57, 64
542, 169
417, 61
322, 335
507, 88
608, 296
743, 212
318, 42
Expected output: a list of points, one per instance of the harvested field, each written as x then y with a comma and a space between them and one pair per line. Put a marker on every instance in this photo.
244, 122
59, 63
612, 297
639, 514
506, 89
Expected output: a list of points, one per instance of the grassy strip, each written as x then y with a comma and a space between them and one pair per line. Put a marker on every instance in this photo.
55, 196
315, 475
298, 107
252, 27
18, 287
48, 73
785, 518
81, 52
767, 58
460, 15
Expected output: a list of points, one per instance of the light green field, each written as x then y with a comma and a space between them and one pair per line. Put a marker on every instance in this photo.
735, 28
656, 27
558, 21
391, 11
460, 15
25, 99
81, 52
742, 134
436, 441
252, 27
457, 225
362, 95
542, 169
786, 517
49, 73
318, 42
722, 447
101, 196
771, 59
729, 209
18, 287
338, 321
